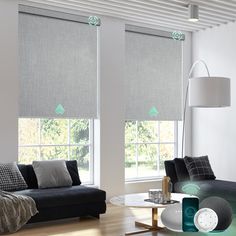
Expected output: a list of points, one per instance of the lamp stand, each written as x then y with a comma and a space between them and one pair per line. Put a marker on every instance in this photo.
186, 98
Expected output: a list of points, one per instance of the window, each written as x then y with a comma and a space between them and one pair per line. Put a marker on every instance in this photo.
147, 145
47, 139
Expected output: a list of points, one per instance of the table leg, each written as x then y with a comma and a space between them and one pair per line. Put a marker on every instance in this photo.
154, 217
148, 228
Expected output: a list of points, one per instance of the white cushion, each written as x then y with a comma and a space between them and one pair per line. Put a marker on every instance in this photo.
52, 174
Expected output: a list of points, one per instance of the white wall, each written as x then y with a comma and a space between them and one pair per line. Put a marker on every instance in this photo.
9, 80
214, 129
109, 128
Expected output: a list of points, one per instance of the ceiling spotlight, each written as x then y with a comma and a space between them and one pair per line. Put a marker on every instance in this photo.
193, 12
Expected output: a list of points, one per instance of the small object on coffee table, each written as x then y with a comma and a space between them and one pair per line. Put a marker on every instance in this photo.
155, 194
160, 201
166, 188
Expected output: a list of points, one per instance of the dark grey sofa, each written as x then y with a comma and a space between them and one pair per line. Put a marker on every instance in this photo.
65, 202
220, 188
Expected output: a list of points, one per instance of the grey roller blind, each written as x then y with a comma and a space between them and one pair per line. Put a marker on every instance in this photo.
58, 67
153, 82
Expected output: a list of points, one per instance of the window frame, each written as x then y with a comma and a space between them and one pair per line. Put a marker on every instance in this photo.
90, 144
158, 142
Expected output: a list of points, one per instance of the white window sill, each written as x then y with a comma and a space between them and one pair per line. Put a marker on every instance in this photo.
143, 180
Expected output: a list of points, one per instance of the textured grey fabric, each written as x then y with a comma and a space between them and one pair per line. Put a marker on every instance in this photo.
15, 211
11, 178
51, 174
153, 77
58, 65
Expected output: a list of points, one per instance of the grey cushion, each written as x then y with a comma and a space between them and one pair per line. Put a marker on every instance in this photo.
11, 178
51, 174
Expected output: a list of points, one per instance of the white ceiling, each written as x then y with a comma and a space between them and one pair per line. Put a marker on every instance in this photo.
172, 14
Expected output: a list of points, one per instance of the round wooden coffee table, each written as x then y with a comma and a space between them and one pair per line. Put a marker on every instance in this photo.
138, 200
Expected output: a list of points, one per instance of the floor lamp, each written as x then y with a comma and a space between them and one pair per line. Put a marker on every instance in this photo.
205, 92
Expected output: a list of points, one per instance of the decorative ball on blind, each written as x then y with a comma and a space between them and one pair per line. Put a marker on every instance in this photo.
94, 20
178, 35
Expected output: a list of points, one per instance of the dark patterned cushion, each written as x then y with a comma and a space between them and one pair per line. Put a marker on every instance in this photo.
199, 168
11, 178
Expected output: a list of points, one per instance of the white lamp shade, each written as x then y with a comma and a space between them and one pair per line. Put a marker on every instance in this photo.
209, 92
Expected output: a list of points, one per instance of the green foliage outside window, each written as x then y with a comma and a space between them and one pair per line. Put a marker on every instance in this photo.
48, 139
147, 145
